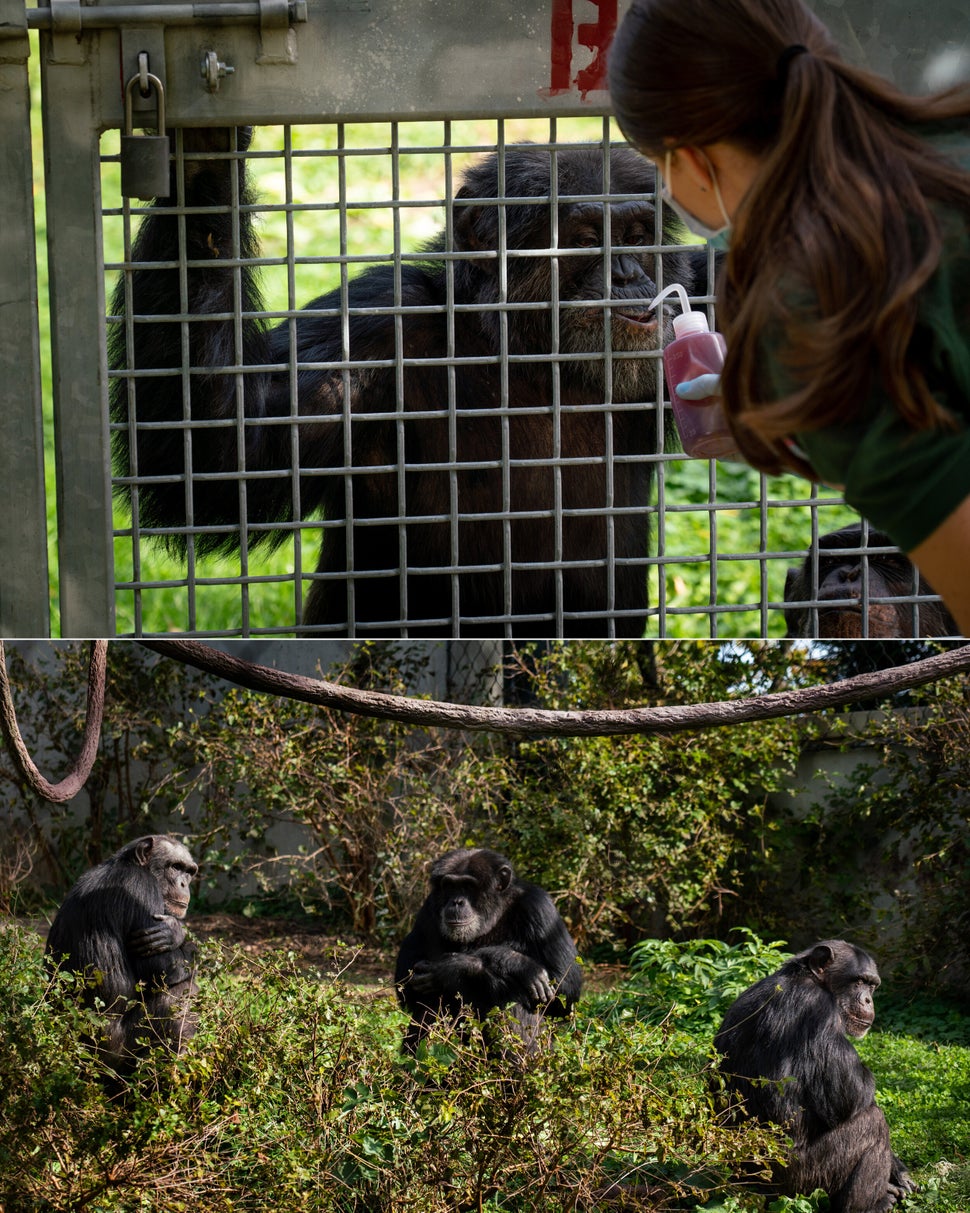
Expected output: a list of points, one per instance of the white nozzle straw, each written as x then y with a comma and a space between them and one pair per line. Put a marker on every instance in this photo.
675, 288
687, 321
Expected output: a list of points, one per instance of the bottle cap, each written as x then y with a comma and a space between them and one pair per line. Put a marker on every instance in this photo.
687, 321
690, 322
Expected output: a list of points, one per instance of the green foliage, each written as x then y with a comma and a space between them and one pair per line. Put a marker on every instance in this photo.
294, 1096
694, 983
643, 834
889, 836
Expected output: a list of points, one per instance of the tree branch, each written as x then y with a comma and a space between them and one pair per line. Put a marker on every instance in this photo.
76, 778
534, 722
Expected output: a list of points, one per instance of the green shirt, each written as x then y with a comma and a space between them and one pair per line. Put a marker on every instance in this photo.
904, 481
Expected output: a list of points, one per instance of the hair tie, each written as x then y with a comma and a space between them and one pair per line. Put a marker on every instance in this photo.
786, 56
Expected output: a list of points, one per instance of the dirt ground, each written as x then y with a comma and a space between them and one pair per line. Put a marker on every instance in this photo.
257, 936
357, 963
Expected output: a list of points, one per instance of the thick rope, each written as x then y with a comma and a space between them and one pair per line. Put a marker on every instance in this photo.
76, 778
533, 722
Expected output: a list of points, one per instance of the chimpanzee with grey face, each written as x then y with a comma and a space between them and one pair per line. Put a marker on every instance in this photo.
843, 566
483, 939
120, 927
534, 486
786, 1060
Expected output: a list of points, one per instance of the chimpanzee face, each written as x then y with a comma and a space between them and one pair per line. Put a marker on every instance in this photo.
588, 285
855, 1001
851, 977
171, 865
457, 898
467, 893
175, 879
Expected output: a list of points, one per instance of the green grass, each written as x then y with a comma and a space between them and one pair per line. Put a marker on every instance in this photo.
690, 529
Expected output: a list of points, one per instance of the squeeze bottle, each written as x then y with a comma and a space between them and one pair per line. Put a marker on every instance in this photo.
695, 351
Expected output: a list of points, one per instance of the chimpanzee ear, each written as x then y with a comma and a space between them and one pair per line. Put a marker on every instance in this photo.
503, 877
819, 959
791, 577
141, 853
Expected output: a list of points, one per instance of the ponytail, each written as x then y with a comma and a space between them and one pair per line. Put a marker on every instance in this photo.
839, 231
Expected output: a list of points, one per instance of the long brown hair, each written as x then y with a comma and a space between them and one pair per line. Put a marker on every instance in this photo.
840, 218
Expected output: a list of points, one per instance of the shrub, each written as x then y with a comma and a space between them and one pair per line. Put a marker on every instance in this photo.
294, 1096
695, 982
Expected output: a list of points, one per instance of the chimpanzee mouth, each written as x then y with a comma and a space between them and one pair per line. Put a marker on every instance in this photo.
638, 317
857, 1027
177, 908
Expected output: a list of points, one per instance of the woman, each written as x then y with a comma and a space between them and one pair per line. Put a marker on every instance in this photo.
845, 297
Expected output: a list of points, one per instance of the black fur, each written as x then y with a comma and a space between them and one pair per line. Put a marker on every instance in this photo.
483, 939
117, 927
786, 1061
891, 575
359, 474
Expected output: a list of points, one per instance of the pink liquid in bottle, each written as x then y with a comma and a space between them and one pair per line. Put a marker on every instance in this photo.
695, 351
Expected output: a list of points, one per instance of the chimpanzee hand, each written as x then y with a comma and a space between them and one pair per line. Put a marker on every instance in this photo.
445, 975
152, 941
900, 1182
540, 989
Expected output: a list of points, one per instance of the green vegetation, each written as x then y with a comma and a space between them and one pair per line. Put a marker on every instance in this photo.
294, 1097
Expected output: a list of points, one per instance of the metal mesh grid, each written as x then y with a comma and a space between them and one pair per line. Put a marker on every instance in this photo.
710, 547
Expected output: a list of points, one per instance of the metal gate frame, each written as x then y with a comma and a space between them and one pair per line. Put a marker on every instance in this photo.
350, 60
24, 581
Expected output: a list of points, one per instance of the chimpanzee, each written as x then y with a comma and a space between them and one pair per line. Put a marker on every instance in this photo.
577, 448
786, 1059
484, 938
120, 928
840, 575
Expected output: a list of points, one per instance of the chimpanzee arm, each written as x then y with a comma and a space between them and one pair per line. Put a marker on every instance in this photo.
213, 286
486, 977
166, 934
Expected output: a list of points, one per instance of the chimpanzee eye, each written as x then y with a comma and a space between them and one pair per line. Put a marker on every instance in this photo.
637, 234
586, 237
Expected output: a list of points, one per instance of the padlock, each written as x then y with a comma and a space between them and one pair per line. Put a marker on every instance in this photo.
144, 158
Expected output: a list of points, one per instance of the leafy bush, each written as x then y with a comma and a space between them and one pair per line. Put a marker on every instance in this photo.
294, 1096
694, 983
646, 834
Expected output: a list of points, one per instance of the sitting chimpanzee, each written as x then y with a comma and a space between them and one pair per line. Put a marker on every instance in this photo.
786, 1060
840, 583
119, 928
482, 939
504, 467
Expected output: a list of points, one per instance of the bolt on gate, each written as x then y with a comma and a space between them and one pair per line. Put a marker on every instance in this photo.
380, 361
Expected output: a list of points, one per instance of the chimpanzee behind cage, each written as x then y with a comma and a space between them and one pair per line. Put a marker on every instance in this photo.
476, 426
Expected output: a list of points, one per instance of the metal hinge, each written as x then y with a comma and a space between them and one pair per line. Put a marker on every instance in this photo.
275, 19
74, 17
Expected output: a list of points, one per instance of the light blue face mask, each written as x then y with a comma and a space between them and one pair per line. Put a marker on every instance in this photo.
719, 238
